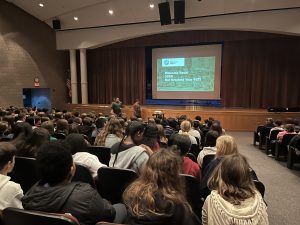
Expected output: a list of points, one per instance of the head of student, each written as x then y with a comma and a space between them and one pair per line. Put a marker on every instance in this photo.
135, 131
160, 178
226, 145
183, 143
7, 157
55, 163
232, 179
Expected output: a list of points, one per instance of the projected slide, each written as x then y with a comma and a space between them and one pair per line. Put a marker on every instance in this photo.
186, 74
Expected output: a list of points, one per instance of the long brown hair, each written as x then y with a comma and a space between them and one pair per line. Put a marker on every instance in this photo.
160, 177
232, 179
112, 127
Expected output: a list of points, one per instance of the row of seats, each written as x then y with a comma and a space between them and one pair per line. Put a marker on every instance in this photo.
283, 151
13, 216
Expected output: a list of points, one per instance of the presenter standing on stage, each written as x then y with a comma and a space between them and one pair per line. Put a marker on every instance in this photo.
137, 112
116, 106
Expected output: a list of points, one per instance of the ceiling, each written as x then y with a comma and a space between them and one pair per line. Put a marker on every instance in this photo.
94, 13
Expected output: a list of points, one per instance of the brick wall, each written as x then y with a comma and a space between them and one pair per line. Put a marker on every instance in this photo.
27, 50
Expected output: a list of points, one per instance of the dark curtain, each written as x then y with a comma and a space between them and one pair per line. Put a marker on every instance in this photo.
261, 73
116, 72
259, 70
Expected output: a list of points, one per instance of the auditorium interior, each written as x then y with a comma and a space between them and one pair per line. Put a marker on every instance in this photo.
78, 55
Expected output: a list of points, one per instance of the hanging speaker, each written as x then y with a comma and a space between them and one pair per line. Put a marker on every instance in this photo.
179, 11
164, 13
56, 24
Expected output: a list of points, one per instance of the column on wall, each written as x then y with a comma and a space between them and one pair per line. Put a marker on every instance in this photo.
73, 76
83, 73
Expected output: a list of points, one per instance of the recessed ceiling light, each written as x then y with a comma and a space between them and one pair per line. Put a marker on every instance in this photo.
111, 12
41, 5
151, 5
75, 18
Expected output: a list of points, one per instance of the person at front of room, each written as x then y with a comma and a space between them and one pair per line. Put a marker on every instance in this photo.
137, 112
10, 192
116, 106
234, 198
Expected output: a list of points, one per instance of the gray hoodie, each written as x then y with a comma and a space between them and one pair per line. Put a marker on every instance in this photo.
128, 157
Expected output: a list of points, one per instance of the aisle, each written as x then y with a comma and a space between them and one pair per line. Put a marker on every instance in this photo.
282, 185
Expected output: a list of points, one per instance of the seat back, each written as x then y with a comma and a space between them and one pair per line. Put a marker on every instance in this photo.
260, 187
273, 134
13, 216
195, 150
286, 139
103, 153
193, 194
25, 172
112, 182
82, 174
192, 157
206, 160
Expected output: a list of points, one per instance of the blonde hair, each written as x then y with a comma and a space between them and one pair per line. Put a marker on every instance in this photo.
232, 179
160, 178
226, 145
185, 126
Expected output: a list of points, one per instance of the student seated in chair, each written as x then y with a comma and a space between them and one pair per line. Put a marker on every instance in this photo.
10, 192
57, 194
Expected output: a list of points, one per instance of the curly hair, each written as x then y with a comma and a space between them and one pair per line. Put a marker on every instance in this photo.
160, 177
113, 126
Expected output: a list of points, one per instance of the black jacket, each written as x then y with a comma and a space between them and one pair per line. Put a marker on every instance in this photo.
78, 199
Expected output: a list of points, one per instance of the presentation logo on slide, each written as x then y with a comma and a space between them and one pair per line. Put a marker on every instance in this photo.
172, 62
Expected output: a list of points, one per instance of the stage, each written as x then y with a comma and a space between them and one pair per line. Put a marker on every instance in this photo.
232, 119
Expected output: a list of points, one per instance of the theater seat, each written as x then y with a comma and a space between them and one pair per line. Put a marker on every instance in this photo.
25, 173
112, 182
82, 174
193, 193
260, 187
13, 216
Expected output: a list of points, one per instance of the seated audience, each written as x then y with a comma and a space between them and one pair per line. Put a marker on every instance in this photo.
234, 198
150, 137
288, 129
21, 132
225, 145
5, 134
99, 123
48, 125
30, 147
87, 127
163, 140
170, 127
56, 193
158, 196
62, 127
278, 126
185, 127
127, 154
183, 144
111, 133
78, 146
209, 146
216, 126
10, 192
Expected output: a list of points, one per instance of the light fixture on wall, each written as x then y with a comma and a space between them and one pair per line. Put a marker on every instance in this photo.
111, 12
41, 5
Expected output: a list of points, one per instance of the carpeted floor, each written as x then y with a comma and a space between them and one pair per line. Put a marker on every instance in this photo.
282, 185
